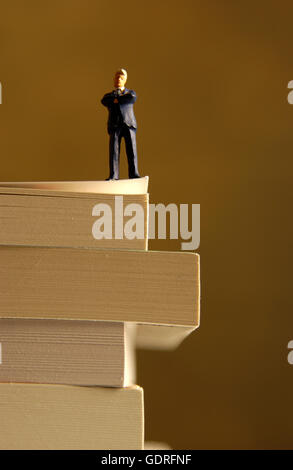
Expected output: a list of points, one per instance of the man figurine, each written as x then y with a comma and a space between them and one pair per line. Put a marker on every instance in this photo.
121, 123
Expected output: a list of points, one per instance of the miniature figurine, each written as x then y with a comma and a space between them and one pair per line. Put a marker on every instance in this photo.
121, 123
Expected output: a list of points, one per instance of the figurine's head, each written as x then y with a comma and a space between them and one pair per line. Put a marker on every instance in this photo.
120, 78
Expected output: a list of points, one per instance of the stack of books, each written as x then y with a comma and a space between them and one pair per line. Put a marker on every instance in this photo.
74, 306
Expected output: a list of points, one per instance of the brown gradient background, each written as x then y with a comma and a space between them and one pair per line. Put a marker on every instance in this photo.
215, 128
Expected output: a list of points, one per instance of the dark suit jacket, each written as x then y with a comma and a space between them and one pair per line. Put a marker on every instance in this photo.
122, 112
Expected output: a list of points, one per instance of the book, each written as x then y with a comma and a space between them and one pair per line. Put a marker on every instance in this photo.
86, 284
65, 417
63, 214
67, 352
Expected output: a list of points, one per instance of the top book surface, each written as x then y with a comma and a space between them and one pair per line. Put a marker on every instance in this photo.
123, 186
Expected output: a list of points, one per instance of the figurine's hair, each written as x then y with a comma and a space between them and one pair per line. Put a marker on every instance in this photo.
122, 72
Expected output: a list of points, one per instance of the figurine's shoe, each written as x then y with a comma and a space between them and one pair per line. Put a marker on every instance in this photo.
135, 176
112, 179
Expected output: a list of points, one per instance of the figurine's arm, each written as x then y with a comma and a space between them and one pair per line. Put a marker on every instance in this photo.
108, 99
129, 97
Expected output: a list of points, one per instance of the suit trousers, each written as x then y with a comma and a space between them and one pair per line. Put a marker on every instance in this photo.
129, 134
